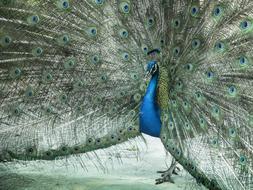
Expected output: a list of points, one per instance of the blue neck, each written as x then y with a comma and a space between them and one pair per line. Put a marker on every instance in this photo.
151, 90
150, 122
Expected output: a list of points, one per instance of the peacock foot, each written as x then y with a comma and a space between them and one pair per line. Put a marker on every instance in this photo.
166, 176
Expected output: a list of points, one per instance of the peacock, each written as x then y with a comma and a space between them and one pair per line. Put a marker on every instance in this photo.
81, 75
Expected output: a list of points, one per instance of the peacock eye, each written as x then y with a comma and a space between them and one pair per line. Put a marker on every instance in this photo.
244, 25
125, 7
112, 137
95, 59
189, 67
242, 160
187, 126
202, 122
178, 152
132, 113
89, 140
92, 31
125, 56
150, 21
37, 51
232, 91
99, 2
171, 125
64, 148
17, 71
104, 78
63, 4
49, 110
134, 76
219, 46
33, 20
217, 11
194, 10
243, 61
29, 92
69, 63
48, 153
196, 43
30, 150
123, 33
145, 49
6, 2
17, 111
5, 41
179, 83
137, 97
47, 77
214, 142
232, 132
176, 23
64, 39
215, 111
210, 75
130, 128
176, 51
76, 148
63, 98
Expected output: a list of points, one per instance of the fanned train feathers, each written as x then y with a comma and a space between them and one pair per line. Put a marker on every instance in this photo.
73, 77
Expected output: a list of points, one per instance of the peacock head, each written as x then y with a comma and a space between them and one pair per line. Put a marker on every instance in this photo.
152, 67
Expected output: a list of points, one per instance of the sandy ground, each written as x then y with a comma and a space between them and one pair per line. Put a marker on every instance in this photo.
130, 172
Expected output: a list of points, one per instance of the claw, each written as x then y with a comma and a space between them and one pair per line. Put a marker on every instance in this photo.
174, 172
160, 172
164, 179
159, 181
166, 175
177, 168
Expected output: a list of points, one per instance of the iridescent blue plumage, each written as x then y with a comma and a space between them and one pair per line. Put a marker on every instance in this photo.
150, 122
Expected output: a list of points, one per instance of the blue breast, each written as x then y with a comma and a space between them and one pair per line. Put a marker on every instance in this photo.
150, 122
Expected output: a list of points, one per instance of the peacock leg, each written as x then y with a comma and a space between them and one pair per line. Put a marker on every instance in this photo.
167, 174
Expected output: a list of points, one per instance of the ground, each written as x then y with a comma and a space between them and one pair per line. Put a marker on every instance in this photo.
130, 172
